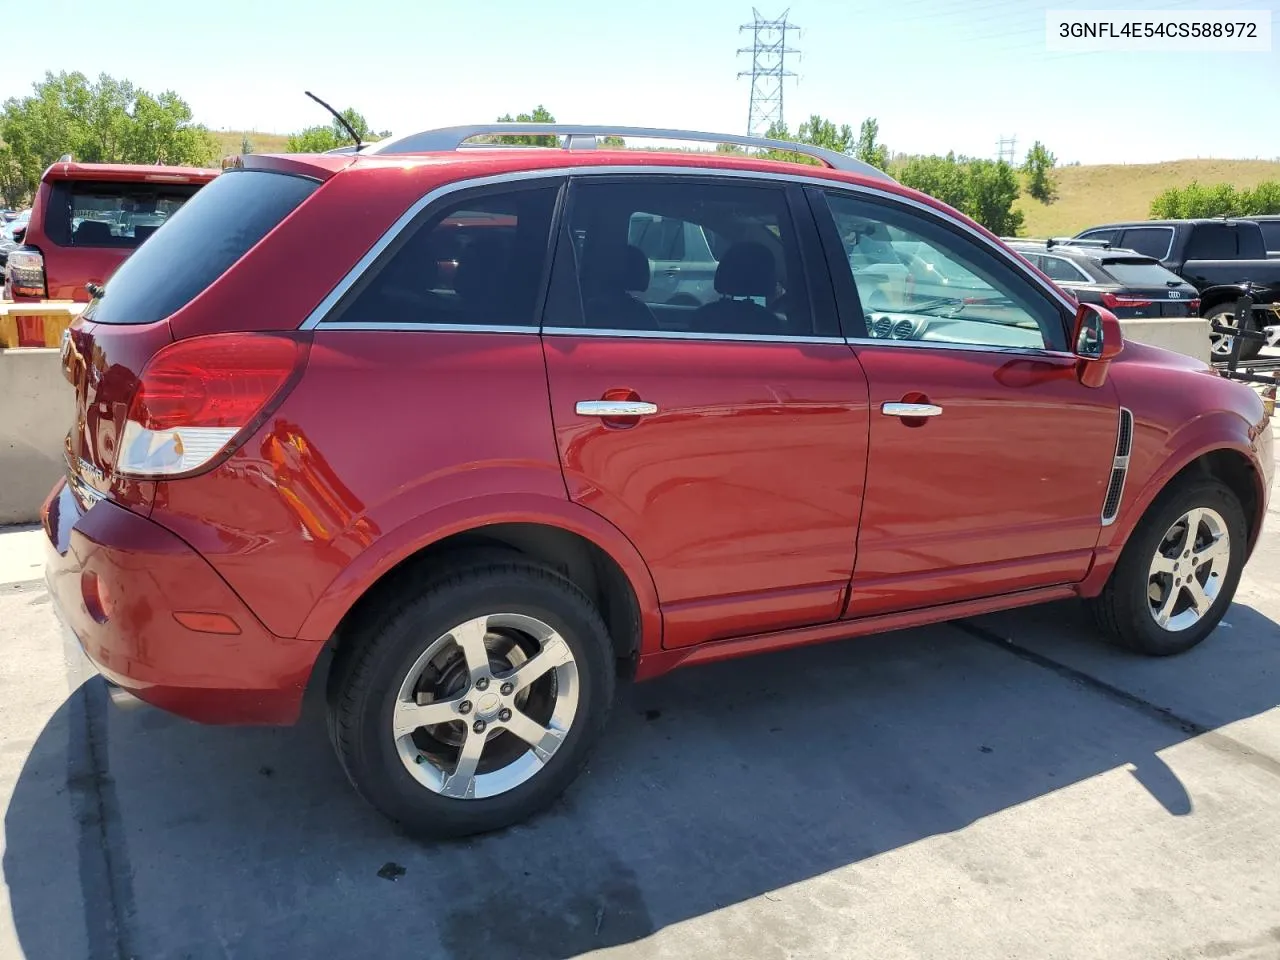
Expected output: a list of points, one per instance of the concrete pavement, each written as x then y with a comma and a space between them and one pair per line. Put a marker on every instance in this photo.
1007, 787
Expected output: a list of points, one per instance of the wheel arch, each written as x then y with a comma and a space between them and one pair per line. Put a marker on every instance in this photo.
1228, 461
557, 534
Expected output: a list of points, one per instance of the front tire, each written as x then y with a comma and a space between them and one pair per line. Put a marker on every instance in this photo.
1220, 344
474, 705
1178, 573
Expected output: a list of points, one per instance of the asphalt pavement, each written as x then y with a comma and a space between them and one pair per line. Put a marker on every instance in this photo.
1004, 787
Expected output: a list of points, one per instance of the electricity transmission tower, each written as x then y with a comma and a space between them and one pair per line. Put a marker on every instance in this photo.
1008, 150
769, 52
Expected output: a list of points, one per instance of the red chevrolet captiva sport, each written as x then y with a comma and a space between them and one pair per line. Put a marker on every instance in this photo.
539, 417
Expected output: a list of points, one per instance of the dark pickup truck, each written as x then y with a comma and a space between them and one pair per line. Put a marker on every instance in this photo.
1221, 258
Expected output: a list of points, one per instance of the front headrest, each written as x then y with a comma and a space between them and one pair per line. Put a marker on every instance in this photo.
91, 232
747, 270
613, 269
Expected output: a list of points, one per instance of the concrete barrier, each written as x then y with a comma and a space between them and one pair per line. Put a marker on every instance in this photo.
1186, 335
37, 406
38, 324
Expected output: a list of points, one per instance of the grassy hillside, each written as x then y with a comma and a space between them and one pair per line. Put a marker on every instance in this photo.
229, 141
1097, 194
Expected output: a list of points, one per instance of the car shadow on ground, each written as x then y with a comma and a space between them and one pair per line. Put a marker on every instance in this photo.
714, 786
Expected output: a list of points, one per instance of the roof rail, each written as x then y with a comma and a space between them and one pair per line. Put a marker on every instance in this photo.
583, 137
1074, 242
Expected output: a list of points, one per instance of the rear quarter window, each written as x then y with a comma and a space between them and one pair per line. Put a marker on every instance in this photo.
1271, 233
194, 247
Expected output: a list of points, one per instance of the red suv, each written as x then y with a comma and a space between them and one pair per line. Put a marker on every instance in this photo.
87, 217
462, 447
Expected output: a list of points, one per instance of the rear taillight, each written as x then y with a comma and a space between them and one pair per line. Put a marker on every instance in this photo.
1111, 301
26, 274
197, 398
1193, 307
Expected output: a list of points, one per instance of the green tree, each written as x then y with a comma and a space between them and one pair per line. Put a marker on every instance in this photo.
102, 121
943, 178
540, 114
1264, 198
868, 148
1038, 166
246, 145
983, 189
318, 139
993, 188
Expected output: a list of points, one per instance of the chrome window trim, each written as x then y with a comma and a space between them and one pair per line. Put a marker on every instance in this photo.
685, 335
1034, 353
437, 327
317, 315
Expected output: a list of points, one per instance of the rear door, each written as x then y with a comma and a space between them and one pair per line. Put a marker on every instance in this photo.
988, 459
727, 440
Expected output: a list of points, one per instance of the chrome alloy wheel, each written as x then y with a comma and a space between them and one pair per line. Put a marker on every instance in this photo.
1189, 569
485, 706
1220, 344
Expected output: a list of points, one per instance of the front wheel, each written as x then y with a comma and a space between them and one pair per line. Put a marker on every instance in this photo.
1178, 572
1220, 344
475, 704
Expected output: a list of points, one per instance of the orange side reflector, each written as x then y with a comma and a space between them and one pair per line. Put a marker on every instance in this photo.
207, 622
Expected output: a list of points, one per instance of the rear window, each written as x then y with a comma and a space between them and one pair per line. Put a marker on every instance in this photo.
1140, 273
198, 243
87, 213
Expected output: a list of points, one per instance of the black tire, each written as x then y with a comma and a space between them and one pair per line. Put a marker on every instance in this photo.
1248, 348
1123, 612
363, 691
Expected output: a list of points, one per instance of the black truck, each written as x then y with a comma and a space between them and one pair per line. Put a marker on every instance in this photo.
1223, 259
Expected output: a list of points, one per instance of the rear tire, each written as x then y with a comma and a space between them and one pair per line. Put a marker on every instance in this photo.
1219, 344
1178, 572
473, 704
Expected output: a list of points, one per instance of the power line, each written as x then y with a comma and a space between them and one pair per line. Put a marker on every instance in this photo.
768, 71
1007, 149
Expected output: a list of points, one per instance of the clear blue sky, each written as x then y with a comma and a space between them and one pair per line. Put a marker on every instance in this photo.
937, 74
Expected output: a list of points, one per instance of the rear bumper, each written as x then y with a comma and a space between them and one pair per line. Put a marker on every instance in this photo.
117, 580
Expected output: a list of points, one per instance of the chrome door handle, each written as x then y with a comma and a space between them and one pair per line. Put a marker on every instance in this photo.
615, 408
910, 410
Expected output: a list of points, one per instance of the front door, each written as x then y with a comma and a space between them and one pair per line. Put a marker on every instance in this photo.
726, 439
989, 460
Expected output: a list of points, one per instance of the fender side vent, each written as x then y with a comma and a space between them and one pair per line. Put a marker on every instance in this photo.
1119, 468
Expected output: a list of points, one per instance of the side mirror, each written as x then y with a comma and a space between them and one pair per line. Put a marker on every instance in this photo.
1096, 340
18, 234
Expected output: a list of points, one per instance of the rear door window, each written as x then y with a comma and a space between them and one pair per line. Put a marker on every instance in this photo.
1212, 241
476, 261
213, 230
1148, 241
86, 213
1059, 268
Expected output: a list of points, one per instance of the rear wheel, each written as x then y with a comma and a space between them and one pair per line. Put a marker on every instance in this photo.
474, 705
1178, 572
1220, 344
